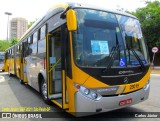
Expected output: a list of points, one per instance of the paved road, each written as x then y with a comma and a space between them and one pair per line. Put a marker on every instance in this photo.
14, 96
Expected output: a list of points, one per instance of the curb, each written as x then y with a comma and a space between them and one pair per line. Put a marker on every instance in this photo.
155, 74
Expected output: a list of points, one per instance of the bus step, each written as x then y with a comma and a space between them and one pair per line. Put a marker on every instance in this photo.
57, 79
55, 96
58, 69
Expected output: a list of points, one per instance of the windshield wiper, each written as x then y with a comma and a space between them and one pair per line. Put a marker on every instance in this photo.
136, 55
112, 55
138, 58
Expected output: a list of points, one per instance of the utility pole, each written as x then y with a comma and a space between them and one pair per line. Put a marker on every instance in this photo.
8, 14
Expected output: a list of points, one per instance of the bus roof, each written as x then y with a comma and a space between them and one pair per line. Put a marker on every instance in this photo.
81, 5
52, 11
62, 7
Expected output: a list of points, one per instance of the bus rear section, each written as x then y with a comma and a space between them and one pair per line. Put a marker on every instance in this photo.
10, 61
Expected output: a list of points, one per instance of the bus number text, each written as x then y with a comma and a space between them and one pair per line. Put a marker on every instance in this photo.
134, 86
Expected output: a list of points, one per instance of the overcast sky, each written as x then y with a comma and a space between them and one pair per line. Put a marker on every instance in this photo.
34, 9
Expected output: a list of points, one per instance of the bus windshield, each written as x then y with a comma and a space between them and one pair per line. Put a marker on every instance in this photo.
102, 37
133, 40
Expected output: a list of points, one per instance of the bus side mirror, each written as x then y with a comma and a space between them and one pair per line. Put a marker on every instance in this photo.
71, 20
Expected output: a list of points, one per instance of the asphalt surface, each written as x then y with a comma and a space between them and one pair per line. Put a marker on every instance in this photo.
14, 96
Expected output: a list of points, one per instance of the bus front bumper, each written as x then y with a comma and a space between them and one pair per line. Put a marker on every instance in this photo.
85, 106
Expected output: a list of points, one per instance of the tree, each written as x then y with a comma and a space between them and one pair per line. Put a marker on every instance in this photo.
31, 23
14, 41
4, 44
149, 18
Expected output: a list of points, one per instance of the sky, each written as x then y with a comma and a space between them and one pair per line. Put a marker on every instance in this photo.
34, 9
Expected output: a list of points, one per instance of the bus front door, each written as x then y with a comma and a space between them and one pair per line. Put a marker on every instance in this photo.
55, 74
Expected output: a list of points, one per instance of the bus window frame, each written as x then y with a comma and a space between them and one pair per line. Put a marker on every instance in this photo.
35, 38
41, 39
30, 39
45, 32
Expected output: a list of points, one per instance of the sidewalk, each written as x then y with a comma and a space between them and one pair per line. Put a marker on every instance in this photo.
155, 70
156, 67
2, 79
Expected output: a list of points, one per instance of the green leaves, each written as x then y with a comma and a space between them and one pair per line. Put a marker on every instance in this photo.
31, 23
4, 44
149, 18
14, 41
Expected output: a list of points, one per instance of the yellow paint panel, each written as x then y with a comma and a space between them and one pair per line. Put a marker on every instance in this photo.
64, 90
135, 37
94, 83
18, 67
71, 91
79, 76
55, 102
137, 85
71, 20
6, 65
11, 66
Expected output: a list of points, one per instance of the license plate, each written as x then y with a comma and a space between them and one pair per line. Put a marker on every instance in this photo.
125, 102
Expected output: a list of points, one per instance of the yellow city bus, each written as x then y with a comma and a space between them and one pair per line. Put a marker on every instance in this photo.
84, 59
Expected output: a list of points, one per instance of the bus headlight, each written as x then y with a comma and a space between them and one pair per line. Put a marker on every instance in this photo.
94, 95
147, 85
88, 92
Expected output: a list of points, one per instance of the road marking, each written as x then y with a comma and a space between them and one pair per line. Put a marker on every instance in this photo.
2, 79
4, 73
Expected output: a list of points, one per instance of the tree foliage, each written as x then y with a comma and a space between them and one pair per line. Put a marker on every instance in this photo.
4, 44
14, 41
31, 23
149, 18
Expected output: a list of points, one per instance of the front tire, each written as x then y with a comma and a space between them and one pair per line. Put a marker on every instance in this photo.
21, 81
9, 74
43, 89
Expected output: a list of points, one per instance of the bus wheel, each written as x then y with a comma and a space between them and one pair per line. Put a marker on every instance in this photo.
21, 81
9, 74
43, 89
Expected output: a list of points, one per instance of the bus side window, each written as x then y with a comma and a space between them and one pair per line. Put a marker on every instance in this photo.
42, 41
7, 55
43, 32
29, 40
11, 52
34, 45
17, 50
10, 55
29, 44
25, 48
